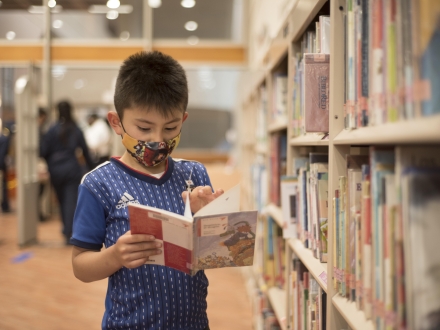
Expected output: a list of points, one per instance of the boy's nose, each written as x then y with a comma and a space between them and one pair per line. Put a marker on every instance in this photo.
157, 137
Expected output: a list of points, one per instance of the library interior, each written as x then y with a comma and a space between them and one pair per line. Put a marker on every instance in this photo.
322, 117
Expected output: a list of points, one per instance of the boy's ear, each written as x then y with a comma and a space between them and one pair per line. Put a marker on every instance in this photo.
185, 116
115, 122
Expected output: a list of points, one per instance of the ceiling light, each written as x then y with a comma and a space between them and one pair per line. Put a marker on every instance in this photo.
125, 35
191, 26
188, 3
57, 24
112, 14
78, 84
10, 35
155, 3
113, 4
40, 9
51, 3
58, 72
101, 9
193, 40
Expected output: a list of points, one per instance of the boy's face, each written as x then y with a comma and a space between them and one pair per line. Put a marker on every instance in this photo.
148, 125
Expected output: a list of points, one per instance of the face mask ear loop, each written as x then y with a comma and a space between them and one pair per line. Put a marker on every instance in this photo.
122, 125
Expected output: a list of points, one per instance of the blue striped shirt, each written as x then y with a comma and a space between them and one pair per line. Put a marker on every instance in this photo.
150, 296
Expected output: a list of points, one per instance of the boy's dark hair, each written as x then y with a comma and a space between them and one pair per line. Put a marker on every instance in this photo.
151, 80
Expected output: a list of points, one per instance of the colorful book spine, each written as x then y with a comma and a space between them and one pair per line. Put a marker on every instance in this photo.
367, 249
316, 89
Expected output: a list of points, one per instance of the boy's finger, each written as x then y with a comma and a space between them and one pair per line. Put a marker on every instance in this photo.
137, 238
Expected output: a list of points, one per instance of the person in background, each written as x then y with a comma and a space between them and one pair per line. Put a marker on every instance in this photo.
43, 175
59, 147
151, 98
98, 138
4, 150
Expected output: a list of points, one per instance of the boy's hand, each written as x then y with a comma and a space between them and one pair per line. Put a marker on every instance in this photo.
132, 251
201, 196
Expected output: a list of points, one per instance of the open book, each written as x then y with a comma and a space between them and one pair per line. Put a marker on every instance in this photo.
218, 235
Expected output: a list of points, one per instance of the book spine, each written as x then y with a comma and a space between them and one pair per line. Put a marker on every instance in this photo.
365, 45
316, 86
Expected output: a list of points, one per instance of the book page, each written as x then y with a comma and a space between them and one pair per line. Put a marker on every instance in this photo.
225, 240
228, 202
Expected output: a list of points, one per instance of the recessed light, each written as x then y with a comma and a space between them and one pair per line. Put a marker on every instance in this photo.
51, 3
125, 35
10, 35
191, 26
188, 3
57, 24
112, 14
113, 4
193, 40
79, 83
155, 3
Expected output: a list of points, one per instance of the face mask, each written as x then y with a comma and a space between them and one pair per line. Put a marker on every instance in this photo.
149, 153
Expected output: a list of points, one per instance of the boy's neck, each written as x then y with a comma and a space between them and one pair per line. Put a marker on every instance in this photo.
128, 160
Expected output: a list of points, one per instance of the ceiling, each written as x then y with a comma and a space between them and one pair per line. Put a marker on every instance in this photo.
217, 20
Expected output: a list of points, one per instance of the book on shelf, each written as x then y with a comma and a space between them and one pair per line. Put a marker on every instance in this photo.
416, 231
218, 235
316, 89
279, 110
324, 34
421, 207
289, 205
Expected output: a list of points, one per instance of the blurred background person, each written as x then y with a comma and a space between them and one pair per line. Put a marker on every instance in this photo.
4, 150
98, 138
43, 175
60, 147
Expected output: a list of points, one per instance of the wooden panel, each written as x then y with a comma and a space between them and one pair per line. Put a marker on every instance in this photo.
117, 53
21, 53
205, 54
92, 53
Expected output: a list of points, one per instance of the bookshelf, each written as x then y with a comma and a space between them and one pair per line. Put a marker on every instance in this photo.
280, 60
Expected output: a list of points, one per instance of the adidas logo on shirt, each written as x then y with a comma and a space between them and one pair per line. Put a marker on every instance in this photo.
125, 199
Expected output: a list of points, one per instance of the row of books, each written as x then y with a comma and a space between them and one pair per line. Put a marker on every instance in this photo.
274, 262
307, 301
392, 50
277, 164
386, 228
264, 313
310, 67
304, 203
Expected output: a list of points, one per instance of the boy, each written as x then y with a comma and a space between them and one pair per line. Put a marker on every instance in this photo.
151, 97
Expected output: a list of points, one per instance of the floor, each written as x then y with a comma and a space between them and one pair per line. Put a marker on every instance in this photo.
39, 292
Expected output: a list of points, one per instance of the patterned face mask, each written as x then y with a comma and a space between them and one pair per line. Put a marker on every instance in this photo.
149, 154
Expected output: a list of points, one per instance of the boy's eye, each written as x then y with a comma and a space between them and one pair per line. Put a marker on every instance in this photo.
143, 129
171, 128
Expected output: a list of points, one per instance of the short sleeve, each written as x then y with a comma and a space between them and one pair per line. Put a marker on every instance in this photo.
89, 222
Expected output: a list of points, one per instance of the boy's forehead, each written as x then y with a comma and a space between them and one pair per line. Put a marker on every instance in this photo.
153, 112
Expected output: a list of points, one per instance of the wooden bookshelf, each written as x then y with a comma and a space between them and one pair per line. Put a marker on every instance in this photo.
315, 267
277, 298
277, 126
421, 130
354, 317
339, 141
276, 214
310, 140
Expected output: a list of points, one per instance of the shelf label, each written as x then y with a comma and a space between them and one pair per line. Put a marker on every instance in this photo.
323, 277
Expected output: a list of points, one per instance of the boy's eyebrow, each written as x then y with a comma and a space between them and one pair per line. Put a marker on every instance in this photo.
174, 120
